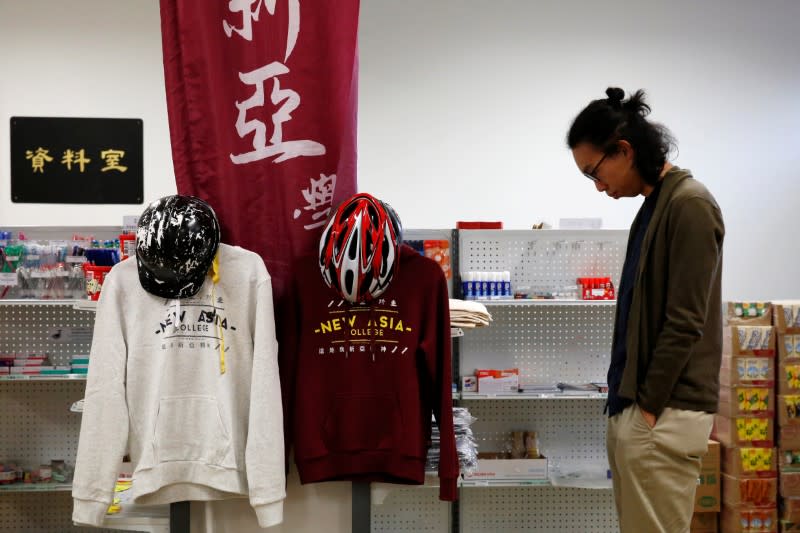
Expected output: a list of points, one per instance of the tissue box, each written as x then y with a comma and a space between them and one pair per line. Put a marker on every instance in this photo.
748, 520
749, 340
752, 371
748, 491
743, 400
787, 317
754, 431
498, 381
749, 313
749, 462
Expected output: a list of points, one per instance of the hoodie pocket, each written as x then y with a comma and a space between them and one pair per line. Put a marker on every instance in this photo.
363, 422
190, 428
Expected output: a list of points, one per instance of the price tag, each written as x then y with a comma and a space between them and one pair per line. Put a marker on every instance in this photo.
76, 259
8, 279
31, 257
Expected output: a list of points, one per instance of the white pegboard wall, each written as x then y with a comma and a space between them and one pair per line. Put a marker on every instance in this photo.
544, 260
34, 329
537, 510
549, 343
37, 426
412, 510
41, 512
570, 431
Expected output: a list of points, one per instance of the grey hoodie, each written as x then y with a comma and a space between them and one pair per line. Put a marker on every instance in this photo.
189, 388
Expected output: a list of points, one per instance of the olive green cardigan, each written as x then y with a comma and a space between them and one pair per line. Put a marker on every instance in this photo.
674, 340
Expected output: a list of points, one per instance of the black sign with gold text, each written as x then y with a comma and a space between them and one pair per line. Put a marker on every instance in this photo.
77, 160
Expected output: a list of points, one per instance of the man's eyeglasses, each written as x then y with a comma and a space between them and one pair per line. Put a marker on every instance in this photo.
592, 174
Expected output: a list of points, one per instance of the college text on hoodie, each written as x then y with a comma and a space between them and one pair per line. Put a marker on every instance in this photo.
361, 381
189, 388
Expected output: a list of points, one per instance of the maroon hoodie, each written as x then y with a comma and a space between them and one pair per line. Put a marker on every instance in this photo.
360, 381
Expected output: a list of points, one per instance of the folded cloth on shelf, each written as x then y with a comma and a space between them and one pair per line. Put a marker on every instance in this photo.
463, 322
467, 314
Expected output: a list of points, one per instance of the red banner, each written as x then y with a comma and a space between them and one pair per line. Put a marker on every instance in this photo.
262, 99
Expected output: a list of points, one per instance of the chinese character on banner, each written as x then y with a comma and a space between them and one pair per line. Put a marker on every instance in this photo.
112, 158
319, 198
249, 15
38, 158
78, 158
291, 100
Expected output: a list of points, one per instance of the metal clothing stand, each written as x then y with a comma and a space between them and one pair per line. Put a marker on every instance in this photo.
179, 517
362, 507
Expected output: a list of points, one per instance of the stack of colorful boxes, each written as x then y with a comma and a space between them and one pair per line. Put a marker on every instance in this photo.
79, 364
787, 325
744, 424
30, 365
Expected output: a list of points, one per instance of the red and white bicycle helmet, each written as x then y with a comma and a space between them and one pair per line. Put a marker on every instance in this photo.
359, 247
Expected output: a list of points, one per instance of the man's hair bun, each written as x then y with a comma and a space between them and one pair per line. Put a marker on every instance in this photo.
615, 96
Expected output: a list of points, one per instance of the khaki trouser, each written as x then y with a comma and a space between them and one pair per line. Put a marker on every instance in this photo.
655, 469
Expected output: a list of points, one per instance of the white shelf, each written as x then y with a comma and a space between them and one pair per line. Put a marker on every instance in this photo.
537, 396
36, 487
480, 483
486, 483
61, 377
132, 517
85, 305
82, 305
526, 302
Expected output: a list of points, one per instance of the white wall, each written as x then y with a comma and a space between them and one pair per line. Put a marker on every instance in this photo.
464, 106
85, 58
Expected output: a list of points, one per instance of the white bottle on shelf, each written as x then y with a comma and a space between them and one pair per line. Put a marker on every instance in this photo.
467, 285
506, 280
494, 278
483, 283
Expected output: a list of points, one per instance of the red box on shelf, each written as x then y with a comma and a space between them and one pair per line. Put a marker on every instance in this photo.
478, 225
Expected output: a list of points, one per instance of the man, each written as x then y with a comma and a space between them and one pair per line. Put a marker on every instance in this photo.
664, 374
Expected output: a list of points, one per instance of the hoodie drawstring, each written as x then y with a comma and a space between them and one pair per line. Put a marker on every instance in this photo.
215, 280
